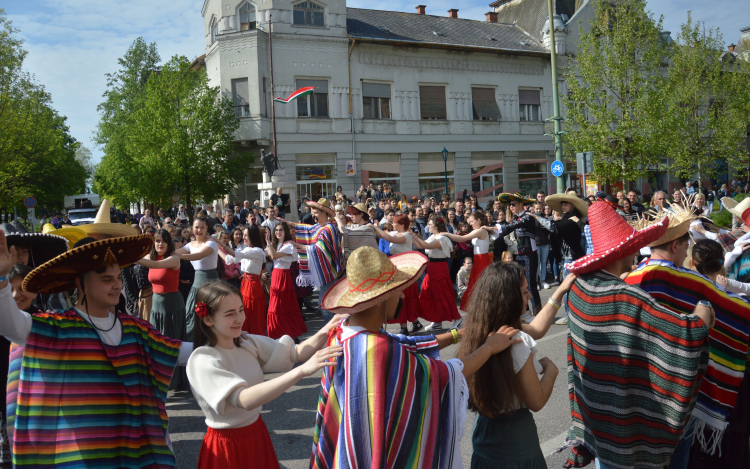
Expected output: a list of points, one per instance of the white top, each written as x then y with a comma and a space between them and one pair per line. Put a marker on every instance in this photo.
251, 259
709, 234
218, 375
285, 262
481, 246
520, 353
208, 262
735, 286
15, 325
405, 247
446, 246
270, 224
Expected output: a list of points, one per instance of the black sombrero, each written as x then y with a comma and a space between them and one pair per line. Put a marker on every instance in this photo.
43, 247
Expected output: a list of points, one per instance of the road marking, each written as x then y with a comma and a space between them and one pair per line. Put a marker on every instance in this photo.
548, 337
549, 446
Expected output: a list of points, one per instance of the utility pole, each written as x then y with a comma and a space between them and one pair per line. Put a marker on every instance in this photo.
273, 105
558, 133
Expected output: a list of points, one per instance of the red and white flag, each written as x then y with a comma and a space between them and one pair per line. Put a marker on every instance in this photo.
300, 92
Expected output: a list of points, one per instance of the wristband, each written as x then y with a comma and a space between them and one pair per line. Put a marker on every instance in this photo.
456, 338
3, 278
554, 303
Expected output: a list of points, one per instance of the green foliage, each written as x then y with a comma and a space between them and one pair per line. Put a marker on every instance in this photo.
612, 105
37, 152
722, 219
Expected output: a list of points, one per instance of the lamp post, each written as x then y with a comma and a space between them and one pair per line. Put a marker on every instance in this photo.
445, 167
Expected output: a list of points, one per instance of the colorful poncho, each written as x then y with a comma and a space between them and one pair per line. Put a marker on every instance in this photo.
389, 402
84, 404
728, 239
680, 290
323, 259
633, 372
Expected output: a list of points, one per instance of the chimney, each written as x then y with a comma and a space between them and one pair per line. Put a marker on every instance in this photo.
731, 47
491, 16
421, 9
453, 13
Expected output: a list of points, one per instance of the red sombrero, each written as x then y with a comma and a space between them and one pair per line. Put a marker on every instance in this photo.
613, 238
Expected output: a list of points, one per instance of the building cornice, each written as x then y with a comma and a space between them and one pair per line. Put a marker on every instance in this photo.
434, 45
205, 6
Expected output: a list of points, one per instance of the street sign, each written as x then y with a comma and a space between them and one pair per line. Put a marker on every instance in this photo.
557, 169
176, 197
31, 215
29, 202
585, 162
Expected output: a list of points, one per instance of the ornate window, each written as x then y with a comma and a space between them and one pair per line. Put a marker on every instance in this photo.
247, 17
309, 14
214, 30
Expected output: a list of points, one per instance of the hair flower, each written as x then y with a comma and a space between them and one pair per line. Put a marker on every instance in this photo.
201, 309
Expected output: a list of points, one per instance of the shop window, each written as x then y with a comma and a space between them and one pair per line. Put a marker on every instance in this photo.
432, 103
240, 97
316, 104
532, 176
432, 174
380, 168
530, 105
484, 104
486, 173
376, 101
309, 14
247, 17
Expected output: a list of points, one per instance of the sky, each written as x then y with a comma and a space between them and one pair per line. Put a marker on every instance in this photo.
73, 43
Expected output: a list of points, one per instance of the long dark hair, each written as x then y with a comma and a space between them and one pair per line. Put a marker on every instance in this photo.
211, 293
287, 235
253, 234
496, 301
167, 238
231, 237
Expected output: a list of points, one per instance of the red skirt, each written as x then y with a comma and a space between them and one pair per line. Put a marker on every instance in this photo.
410, 308
246, 447
481, 262
254, 302
284, 315
437, 302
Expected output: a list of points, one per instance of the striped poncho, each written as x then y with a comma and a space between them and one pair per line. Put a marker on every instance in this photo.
680, 290
389, 402
323, 259
84, 404
634, 368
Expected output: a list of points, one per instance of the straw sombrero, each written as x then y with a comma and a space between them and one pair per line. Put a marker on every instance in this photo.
730, 203
678, 224
103, 225
359, 208
322, 204
555, 202
507, 198
372, 277
739, 209
614, 238
73, 235
42, 247
59, 274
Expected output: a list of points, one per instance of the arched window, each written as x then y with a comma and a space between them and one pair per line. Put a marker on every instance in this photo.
247, 17
214, 30
309, 14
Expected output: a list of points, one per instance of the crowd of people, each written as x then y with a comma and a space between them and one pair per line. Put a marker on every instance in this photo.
101, 320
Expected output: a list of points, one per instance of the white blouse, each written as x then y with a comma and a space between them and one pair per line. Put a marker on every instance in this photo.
446, 246
218, 375
481, 246
251, 259
405, 247
208, 262
285, 262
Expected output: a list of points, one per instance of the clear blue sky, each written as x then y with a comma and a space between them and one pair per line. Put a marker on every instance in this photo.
73, 43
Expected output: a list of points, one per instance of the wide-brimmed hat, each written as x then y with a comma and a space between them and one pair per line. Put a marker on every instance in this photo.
614, 238
102, 224
678, 224
372, 277
359, 209
322, 204
555, 202
730, 203
739, 209
507, 198
60, 273
73, 235
42, 247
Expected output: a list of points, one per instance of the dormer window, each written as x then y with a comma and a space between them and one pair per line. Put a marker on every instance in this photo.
309, 14
247, 17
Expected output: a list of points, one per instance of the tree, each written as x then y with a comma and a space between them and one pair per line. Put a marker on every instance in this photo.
707, 107
37, 152
83, 156
612, 104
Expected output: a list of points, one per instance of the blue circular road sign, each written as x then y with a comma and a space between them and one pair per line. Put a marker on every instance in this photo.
557, 169
29, 202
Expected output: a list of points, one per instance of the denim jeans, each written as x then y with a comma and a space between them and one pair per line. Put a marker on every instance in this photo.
529, 266
681, 455
564, 273
543, 252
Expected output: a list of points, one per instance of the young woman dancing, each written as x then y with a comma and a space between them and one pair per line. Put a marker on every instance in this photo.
284, 314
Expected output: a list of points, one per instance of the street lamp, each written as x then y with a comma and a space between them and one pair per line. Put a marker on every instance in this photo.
445, 166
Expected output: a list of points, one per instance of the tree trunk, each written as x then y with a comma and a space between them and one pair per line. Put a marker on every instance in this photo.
189, 199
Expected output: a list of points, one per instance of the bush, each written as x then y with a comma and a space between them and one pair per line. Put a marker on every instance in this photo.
739, 197
722, 219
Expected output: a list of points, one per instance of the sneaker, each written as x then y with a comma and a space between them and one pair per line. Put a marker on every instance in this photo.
458, 323
562, 321
545, 285
529, 319
416, 327
404, 331
538, 287
434, 326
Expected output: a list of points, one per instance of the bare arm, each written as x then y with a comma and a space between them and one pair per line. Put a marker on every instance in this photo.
397, 239
205, 251
537, 392
495, 343
272, 249
171, 262
542, 322
306, 349
478, 233
422, 244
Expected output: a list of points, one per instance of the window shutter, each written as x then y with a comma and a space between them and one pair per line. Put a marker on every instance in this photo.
240, 92
321, 86
432, 102
376, 90
485, 104
529, 97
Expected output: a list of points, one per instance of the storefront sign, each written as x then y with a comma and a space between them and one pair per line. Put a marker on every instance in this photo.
317, 173
351, 168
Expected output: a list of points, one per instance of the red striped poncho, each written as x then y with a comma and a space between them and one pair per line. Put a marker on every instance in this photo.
323, 259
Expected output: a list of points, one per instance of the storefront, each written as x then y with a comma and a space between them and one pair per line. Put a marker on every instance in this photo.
381, 168
487, 174
432, 174
316, 175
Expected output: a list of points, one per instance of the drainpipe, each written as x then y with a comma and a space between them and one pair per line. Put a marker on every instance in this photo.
351, 112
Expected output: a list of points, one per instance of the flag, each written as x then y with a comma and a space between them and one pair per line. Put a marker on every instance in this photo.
300, 92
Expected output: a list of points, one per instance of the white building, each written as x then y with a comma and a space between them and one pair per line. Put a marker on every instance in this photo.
392, 90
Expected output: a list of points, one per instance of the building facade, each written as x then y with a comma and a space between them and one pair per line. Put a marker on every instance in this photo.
392, 91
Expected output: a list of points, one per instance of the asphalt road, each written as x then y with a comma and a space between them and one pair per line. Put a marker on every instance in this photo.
290, 418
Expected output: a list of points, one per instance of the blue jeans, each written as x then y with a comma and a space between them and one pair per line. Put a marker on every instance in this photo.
327, 315
564, 273
542, 270
681, 455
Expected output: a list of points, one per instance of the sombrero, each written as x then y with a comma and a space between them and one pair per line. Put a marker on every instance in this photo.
359, 208
730, 203
322, 204
372, 277
507, 198
42, 247
614, 238
103, 225
555, 202
59, 274
73, 235
739, 208
678, 224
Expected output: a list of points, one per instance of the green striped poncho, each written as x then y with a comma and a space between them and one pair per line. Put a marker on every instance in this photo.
634, 368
